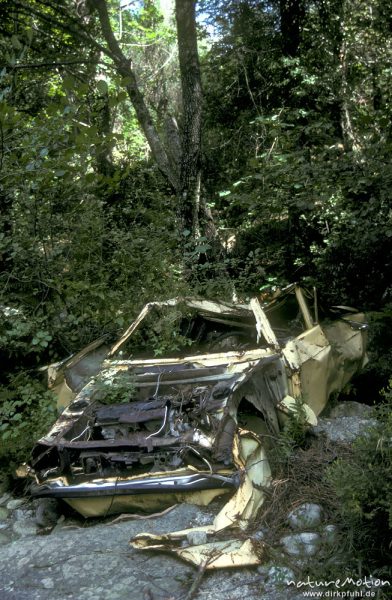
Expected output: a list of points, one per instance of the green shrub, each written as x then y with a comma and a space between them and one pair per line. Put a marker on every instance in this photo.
116, 389
27, 409
363, 485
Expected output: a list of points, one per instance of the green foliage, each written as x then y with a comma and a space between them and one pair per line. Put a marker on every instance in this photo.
162, 333
296, 425
294, 432
119, 388
78, 275
165, 336
300, 158
87, 230
363, 484
27, 410
380, 343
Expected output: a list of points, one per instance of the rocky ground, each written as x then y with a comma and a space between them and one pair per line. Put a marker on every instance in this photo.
97, 563
47, 555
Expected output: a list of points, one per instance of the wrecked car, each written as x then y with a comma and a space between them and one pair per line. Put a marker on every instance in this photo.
194, 421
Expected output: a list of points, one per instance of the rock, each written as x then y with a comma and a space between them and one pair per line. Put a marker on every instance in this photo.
4, 539
15, 503
343, 429
48, 583
21, 513
259, 535
25, 527
350, 409
306, 516
3, 513
301, 544
5, 498
279, 575
4, 525
97, 563
47, 512
330, 534
263, 570
207, 516
197, 538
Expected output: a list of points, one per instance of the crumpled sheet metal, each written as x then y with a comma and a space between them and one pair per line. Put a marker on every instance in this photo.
320, 360
301, 371
323, 361
251, 461
211, 555
147, 503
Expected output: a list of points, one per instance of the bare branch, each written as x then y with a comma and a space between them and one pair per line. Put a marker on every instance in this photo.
53, 65
124, 67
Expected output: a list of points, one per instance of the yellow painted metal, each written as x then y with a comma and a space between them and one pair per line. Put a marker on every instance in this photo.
304, 307
211, 555
323, 360
262, 324
100, 506
250, 459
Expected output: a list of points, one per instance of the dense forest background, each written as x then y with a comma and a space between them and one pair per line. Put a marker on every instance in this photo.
151, 149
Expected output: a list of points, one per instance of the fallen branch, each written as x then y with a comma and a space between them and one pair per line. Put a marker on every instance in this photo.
197, 581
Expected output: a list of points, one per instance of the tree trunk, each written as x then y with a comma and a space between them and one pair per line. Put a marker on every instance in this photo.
190, 168
103, 121
124, 68
350, 139
292, 14
184, 170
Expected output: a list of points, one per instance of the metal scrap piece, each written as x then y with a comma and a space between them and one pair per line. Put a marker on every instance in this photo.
250, 459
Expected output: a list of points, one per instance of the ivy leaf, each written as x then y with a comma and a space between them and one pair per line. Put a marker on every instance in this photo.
102, 87
202, 248
68, 83
15, 42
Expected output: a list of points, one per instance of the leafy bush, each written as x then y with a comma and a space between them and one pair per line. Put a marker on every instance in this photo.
363, 485
120, 388
379, 370
27, 409
292, 439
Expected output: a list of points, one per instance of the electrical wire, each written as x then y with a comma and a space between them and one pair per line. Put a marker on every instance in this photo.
200, 456
80, 434
161, 427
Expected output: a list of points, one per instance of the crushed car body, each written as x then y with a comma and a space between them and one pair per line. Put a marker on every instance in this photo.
144, 433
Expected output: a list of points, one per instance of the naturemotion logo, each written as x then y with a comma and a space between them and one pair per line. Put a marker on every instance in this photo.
366, 587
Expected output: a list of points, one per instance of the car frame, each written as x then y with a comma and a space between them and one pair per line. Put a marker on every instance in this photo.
195, 426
